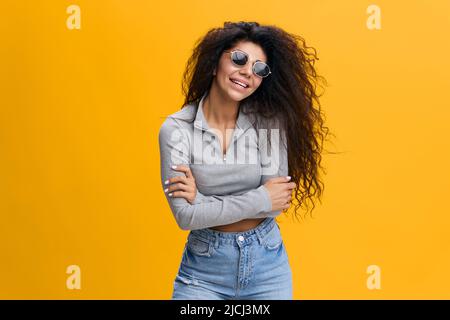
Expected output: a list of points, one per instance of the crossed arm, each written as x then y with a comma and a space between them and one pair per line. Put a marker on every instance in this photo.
209, 211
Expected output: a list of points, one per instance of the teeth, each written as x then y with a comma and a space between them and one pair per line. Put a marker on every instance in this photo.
239, 83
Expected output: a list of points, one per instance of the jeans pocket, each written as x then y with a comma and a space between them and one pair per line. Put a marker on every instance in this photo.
273, 240
199, 246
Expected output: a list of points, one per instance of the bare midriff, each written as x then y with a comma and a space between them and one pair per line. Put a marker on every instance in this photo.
239, 226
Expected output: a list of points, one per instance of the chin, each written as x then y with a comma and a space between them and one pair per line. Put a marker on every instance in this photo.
236, 96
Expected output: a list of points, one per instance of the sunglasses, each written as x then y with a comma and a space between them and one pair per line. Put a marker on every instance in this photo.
240, 58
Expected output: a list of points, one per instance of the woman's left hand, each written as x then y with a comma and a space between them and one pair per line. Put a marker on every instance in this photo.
182, 186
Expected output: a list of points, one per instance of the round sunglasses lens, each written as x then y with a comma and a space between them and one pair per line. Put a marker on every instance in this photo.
261, 69
239, 58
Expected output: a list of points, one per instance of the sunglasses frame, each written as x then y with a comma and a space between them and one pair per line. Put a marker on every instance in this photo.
253, 66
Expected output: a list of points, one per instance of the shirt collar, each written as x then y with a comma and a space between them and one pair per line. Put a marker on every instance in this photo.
243, 121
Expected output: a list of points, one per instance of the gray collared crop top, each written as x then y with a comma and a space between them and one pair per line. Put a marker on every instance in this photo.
230, 187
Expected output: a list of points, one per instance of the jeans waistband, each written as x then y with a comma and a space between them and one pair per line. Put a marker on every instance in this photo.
258, 232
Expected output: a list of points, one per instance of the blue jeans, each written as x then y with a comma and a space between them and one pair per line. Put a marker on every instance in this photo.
235, 265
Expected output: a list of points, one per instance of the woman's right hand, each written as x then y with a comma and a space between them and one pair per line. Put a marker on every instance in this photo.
280, 190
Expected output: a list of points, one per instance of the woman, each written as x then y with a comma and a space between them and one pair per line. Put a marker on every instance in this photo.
249, 92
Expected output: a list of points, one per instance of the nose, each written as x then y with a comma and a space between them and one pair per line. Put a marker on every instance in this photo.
246, 70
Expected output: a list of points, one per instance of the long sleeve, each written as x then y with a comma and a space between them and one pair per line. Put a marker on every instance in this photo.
279, 163
206, 211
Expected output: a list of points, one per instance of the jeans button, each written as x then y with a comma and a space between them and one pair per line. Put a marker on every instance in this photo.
241, 238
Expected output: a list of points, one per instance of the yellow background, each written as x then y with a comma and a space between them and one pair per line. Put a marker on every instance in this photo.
79, 158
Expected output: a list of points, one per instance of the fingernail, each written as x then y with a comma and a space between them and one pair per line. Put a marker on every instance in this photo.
166, 182
174, 167
288, 177
170, 194
167, 189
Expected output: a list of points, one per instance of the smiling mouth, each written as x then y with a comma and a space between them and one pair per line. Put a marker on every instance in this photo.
239, 83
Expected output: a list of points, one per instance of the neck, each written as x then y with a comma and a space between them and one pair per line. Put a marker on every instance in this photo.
220, 111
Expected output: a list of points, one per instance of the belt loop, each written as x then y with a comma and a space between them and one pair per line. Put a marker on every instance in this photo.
261, 229
260, 237
216, 244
